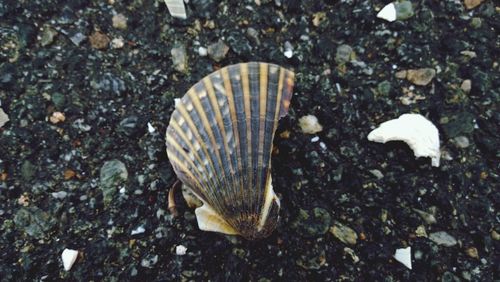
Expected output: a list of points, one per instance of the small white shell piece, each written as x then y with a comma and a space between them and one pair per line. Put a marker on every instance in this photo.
68, 257
404, 256
388, 13
176, 8
418, 132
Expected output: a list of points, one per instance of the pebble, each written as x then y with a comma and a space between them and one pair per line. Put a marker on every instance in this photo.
57, 117
112, 173
69, 257
48, 35
288, 50
420, 232
404, 256
202, 51
343, 54
466, 85
117, 43
119, 21
151, 128
59, 195
427, 217
179, 58
4, 118
309, 124
312, 223
472, 252
138, 230
396, 11
495, 235
461, 141
377, 173
217, 51
149, 261
443, 238
419, 77
344, 233
180, 250
77, 38
471, 4
99, 40
350, 252
388, 12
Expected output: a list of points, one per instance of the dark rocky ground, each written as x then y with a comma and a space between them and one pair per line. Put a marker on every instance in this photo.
91, 181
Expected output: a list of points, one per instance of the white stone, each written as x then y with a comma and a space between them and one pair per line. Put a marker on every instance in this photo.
418, 132
69, 257
404, 256
388, 13
138, 230
202, 51
180, 250
117, 43
288, 50
309, 124
315, 139
151, 129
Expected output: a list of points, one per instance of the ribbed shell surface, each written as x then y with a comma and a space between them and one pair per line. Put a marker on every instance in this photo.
220, 136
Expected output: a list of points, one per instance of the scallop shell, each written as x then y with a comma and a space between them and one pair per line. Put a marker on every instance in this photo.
219, 141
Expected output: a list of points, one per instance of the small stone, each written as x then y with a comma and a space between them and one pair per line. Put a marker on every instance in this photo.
476, 22
138, 230
288, 50
472, 252
420, 77
420, 232
119, 21
180, 250
309, 124
48, 35
350, 252
384, 88
69, 257
28, 170
202, 51
57, 117
471, 4
318, 18
312, 223
117, 43
461, 141
77, 38
404, 256
34, 222
59, 195
151, 128
179, 58
443, 238
149, 261
217, 51
377, 173
69, 174
466, 85
99, 40
427, 217
23, 200
404, 10
344, 233
111, 175
4, 118
401, 74
343, 54
495, 235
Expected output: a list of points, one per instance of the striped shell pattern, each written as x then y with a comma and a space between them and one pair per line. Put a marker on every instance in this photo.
219, 141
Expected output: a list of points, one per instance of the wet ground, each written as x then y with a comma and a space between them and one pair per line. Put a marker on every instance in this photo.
88, 88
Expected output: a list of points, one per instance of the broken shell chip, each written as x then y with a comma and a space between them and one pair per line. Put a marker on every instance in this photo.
418, 132
219, 141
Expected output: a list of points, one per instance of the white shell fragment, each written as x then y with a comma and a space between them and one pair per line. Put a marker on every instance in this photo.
404, 256
4, 118
418, 132
176, 8
180, 250
388, 13
69, 257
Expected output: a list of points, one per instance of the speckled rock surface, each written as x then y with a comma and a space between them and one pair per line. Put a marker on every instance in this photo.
115, 81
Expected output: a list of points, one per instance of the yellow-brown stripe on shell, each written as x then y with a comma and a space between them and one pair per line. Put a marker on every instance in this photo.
219, 141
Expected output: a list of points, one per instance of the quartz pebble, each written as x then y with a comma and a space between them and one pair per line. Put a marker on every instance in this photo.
69, 257
419, 77
180, 250
218, 50
344, 233
119, 21
442, 238
310, 125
